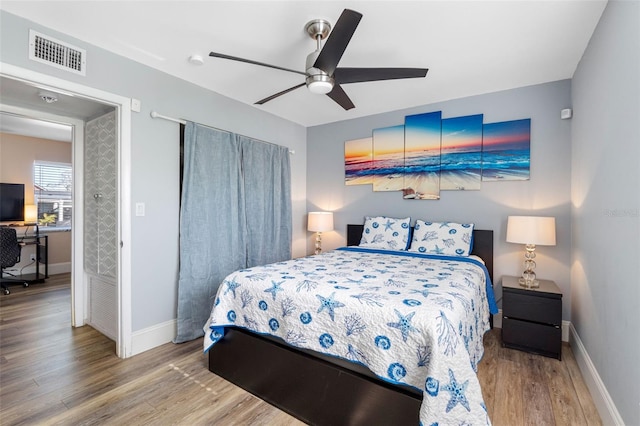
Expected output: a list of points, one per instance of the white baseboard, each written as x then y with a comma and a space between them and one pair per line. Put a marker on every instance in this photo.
151, 337
54, 268
497, 323
59, 268
497, 319
601, 398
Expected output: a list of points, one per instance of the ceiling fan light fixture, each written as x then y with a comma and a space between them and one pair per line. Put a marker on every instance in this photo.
320, 84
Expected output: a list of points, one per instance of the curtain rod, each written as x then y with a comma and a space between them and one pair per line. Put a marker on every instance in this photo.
155, 114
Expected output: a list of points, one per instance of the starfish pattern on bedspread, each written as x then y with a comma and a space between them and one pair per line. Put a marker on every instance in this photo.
231, 287
274, 289
457, 392
403, 324
410, 318
329, 304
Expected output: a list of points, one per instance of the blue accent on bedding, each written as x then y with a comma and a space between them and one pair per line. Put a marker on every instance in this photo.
493, 306
410, 318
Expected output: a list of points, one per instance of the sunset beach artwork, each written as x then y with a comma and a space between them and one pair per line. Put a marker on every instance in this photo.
358, 161
422, 140
388, 158
428, 154
506, 151
461, 155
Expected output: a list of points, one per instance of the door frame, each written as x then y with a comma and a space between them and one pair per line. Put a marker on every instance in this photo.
79, 281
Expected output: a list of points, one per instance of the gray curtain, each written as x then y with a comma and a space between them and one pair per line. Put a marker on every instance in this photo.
235, 213
267, 191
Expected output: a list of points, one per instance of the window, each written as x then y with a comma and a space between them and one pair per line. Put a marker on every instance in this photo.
52, 191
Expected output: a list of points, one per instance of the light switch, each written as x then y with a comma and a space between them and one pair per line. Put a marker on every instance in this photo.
139, 209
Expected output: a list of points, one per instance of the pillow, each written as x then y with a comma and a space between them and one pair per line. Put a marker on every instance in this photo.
445, 238
387, 233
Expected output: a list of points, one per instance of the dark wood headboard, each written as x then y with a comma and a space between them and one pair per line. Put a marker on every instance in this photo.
482, 244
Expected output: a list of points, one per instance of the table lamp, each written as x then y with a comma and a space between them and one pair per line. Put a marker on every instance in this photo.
531, 231
31, 216
320, 222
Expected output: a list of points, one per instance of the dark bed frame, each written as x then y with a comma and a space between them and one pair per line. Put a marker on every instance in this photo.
316, 388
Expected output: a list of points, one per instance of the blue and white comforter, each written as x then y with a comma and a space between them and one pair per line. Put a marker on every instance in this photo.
410, 318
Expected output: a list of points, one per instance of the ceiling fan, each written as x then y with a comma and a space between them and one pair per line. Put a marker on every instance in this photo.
323, 76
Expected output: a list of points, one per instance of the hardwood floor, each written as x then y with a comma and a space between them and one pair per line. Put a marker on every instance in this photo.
53, 374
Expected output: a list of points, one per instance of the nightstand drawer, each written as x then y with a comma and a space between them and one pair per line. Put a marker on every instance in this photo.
542, 339
532, 307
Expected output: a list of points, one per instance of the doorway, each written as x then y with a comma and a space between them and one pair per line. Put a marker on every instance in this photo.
80, 282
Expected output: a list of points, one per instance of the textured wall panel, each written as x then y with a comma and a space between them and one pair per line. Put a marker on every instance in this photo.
101, 196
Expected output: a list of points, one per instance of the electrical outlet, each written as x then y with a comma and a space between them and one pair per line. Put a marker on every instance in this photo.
33, 256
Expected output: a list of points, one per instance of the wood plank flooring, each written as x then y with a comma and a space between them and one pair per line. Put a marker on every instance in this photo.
53, 374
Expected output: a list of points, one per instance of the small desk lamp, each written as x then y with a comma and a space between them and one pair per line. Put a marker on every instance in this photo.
320, 222
31, 216
531, 230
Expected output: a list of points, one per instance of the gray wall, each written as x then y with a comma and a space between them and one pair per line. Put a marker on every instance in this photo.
155, 155
547, 193
606, 204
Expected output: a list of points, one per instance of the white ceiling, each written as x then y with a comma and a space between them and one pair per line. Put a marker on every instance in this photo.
470, 47
27, 97
25, 126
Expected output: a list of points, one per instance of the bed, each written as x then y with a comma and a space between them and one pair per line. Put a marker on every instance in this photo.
344, 373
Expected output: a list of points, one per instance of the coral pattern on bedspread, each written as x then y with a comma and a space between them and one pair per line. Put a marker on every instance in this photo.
410, 318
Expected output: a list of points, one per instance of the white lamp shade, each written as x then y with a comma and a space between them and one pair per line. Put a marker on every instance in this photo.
536, 230
320, 221
30, 213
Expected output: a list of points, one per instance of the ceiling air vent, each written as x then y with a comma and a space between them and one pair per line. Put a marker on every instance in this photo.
56, 53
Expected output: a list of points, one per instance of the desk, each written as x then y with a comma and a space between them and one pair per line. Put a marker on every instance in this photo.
42, 257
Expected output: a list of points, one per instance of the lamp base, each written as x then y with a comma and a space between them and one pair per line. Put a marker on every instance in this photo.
528, 283
318, 243
528, 278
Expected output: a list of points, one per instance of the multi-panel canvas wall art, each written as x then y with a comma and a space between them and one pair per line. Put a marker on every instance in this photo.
506, 150
422, 142
429, 154
461, 160
388, 159
358, 161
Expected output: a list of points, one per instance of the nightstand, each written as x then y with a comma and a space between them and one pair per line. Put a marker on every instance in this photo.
532, 318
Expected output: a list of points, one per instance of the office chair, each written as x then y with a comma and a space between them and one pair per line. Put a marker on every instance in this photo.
9, 255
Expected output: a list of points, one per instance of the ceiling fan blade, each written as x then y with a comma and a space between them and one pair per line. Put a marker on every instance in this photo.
338, 40
357, 75
249, 61
341, 98
265, 100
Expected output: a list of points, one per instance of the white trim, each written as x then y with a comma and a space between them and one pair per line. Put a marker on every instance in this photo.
151, 337
54, 268
497, 319
79, 280
601, 398
124, 219
123, 107
59, 268
497, 323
